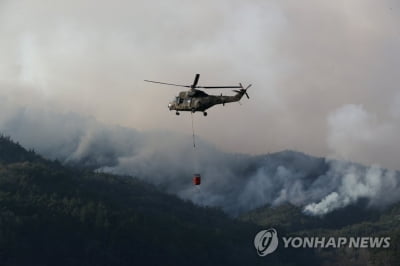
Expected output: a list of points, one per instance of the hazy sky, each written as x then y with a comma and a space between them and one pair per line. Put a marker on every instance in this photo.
325, 74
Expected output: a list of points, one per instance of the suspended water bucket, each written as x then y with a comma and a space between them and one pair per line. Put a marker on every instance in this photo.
196, 179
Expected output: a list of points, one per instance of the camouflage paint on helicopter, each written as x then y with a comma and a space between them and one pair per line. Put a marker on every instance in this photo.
195, 100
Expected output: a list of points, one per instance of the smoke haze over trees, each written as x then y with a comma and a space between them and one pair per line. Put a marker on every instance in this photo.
235, 182
325, 75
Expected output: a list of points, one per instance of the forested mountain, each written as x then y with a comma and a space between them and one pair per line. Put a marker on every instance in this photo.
55, 215
51, 214
351, 221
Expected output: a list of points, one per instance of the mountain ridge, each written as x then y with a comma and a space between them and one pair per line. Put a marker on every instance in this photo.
53, 214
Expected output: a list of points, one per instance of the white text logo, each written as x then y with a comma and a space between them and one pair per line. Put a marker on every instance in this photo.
266, 242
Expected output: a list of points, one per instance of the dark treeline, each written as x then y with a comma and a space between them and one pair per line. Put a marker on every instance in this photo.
56, 215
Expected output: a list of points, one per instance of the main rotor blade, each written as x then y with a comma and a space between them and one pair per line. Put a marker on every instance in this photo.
196, 80
218, 87
171, 84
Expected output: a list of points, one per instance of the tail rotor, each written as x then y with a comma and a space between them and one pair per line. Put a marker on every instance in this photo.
243, 90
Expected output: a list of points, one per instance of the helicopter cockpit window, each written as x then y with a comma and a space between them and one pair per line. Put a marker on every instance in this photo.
178, 100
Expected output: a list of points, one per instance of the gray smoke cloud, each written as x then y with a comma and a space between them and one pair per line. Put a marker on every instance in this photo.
352, 183
306, 60
234, 182
355, 132
325, 82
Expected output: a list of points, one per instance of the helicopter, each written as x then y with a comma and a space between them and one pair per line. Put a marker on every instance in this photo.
195, 100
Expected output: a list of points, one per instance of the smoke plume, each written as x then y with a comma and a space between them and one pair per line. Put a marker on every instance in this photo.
305, 59
325, 82
234, 182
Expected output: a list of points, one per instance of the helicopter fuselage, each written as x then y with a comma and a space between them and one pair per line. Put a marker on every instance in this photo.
197, 100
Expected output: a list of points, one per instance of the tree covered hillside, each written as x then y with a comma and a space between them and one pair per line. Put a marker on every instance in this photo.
56, 215
351, 221
53, 215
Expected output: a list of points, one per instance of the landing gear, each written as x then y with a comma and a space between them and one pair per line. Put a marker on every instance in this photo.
177, 113
205, 113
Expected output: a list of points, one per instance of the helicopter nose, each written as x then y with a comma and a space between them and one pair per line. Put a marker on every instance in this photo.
169, 106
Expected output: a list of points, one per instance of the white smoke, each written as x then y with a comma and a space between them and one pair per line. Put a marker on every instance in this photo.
353, 132
234, 182
381, 187
308, 60
305, 59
